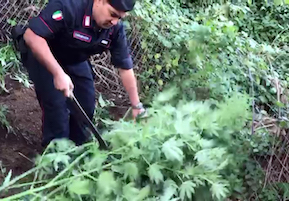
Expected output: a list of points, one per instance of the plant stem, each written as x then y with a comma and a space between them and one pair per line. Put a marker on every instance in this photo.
19, 177
54, 191
27, 184
52, 184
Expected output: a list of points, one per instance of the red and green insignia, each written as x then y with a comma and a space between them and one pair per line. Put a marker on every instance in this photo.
57, 15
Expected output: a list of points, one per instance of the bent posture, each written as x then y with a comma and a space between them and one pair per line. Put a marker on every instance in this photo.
60, 41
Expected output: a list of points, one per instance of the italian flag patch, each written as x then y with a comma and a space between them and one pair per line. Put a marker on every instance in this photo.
57, 15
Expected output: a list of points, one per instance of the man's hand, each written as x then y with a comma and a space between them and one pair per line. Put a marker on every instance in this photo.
62, 82
41, 50
136, 112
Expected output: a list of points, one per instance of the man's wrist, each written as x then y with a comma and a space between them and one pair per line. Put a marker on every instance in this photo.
138, 106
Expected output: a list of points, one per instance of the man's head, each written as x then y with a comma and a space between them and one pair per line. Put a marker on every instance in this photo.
107, 13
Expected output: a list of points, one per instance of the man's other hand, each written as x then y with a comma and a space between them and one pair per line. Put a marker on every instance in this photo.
138, 113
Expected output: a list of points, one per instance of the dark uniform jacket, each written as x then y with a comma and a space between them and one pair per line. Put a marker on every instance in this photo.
73, 35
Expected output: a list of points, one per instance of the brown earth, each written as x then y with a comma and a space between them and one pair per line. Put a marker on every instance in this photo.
18, 149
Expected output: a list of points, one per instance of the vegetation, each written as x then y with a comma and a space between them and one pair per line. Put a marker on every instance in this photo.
10, 64
210, 73
3, 120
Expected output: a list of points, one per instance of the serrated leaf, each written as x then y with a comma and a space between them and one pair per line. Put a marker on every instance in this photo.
155, 173
130, 170
183, 126
170, 189
62, 145
101, 101
219, 190
171, 149
7, 179
143, 193
96, 161
130, 192
106, 182
79, 187
212, 159
187, 189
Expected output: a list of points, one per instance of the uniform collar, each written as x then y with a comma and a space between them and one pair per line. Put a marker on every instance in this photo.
88, 21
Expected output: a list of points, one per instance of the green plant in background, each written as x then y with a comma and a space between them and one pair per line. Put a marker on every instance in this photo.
3, 120
10, 64
102, 112
205, 49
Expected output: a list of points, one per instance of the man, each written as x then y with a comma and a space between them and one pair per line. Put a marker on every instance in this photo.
60, 41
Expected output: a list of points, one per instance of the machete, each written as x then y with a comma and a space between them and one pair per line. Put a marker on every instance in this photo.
85, 119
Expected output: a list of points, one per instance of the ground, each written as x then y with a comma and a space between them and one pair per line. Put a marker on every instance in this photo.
18, 149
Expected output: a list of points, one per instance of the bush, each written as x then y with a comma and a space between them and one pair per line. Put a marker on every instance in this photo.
204, 51
183, 152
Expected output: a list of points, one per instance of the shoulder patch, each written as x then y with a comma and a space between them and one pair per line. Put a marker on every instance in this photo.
82, 36
57, 15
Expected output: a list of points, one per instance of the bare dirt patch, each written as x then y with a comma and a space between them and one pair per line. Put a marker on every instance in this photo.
18, 149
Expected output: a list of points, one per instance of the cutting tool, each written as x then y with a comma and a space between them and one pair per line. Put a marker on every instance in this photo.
84, 119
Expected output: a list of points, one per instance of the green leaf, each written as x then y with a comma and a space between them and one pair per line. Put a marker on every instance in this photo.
187, 189
157, 56
212, 159
170, 189
143, 193
167, 95
160, 82
144, 45
171, 149
101, 101
175, 62
155, 174
130, 170
280, 104
7, 179
183, 126
278, 2
158, 67
219, 190
96, 161
130, 192
106, 182
12, 22
79, 187
61, 159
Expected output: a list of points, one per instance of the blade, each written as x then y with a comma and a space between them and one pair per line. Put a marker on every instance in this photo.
86, 120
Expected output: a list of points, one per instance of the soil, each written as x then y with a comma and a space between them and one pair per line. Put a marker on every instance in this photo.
18, 148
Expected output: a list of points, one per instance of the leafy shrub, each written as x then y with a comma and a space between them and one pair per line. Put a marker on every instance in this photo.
204, 49
183, 152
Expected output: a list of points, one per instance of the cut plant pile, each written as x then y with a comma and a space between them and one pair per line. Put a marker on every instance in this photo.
180, 152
